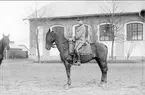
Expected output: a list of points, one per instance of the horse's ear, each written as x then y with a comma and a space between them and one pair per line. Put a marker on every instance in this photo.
50, 30
3, 35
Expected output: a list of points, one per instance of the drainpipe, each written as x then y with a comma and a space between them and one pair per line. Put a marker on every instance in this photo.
142, 15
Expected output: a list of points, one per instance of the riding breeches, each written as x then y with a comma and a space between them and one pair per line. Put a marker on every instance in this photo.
78, 46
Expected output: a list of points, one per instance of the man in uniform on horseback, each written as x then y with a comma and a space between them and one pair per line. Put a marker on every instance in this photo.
79, 38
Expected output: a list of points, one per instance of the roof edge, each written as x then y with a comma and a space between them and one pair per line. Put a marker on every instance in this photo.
85, 15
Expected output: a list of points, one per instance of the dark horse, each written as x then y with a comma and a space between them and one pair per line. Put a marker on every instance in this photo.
62, 44
4, 43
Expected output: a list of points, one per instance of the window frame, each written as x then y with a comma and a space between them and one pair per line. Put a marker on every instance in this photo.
105, 34
138, 31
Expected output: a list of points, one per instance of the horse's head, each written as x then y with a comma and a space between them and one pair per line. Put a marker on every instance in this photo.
49, 40
6, 41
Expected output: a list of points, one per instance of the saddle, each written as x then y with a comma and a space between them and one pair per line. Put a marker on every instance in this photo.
84, 50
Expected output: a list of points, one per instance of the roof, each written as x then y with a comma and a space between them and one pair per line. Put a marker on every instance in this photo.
14, 46
68, 9
24, 48
20, 47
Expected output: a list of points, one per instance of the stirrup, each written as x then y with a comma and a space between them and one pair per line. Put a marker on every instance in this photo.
77, 64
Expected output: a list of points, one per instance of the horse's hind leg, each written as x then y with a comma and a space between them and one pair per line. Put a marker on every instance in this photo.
104, 68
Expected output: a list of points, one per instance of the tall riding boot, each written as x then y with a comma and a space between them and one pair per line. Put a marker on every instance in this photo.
79, 59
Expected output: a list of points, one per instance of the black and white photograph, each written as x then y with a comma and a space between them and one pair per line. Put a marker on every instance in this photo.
72, 47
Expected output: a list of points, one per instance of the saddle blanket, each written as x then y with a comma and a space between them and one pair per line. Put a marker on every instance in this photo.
86, 49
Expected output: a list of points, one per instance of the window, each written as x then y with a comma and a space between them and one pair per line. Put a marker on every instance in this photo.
106, 31
134, 31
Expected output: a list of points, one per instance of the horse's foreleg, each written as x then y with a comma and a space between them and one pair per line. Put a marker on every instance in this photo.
68, 67
104, 68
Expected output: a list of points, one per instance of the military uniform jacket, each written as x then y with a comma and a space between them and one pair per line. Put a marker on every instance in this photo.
80, 36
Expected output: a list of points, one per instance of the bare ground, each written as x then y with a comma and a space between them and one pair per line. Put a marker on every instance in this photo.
27, 78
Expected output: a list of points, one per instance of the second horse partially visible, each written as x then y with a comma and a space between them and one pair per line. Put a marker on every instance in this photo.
4, 43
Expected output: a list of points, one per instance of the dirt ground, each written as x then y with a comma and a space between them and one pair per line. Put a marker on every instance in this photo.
27, 78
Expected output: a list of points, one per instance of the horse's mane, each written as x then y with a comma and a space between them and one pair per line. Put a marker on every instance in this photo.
60, 33
47, 34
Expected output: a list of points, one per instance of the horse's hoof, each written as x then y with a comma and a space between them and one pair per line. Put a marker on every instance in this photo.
66, 87
103, 82
103, 85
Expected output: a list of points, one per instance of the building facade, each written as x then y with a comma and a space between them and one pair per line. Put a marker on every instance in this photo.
129, 40
16, 51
